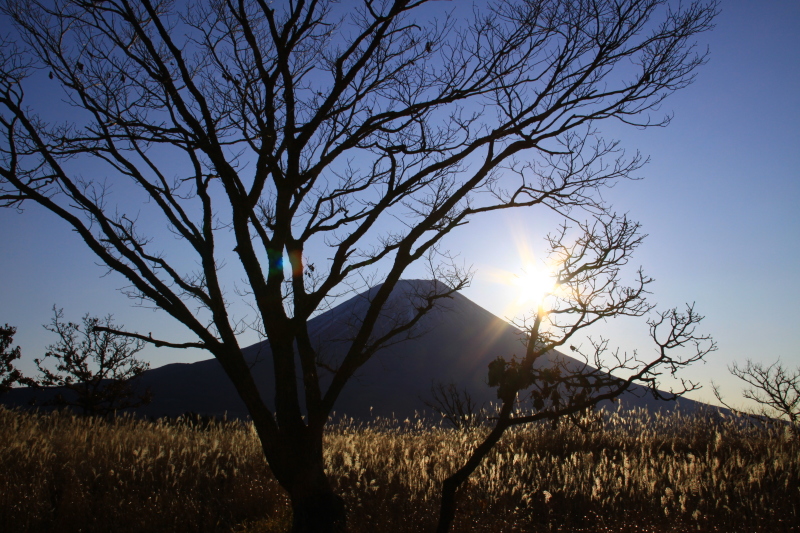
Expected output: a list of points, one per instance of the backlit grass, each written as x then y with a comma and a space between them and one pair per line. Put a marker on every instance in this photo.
638, 472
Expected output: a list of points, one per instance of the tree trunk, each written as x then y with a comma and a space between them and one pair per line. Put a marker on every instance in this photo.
315, 507
450, 486
318, 512
301, 471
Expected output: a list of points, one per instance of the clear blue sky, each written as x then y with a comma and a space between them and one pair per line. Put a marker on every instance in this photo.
719, 202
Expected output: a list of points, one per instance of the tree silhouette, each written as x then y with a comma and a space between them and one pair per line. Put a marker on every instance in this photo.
588, 288
774, 387
9, 375
330, 146
455, 405
97, 368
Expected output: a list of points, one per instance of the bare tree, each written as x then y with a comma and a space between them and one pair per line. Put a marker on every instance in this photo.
9, 375
588, 288
775, 388
456, 405
325, 144
97, 368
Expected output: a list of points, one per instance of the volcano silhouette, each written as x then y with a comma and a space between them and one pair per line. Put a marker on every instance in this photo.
454, 343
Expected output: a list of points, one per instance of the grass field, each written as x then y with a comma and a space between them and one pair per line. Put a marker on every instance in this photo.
638, 472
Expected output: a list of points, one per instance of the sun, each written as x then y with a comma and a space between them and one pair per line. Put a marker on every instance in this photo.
533, 286
529, 279
532, 289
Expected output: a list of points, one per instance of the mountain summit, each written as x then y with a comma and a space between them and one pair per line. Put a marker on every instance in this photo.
452, 343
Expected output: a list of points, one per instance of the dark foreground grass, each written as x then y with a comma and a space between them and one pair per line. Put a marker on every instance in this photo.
638, 473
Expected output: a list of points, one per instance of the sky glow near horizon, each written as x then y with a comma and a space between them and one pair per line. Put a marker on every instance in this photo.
719, 202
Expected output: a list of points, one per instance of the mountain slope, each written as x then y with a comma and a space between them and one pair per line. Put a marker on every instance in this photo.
453, 343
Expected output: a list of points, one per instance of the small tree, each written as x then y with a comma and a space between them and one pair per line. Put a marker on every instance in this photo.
8, 374
455, 405
775, 388
542, 384
97, 367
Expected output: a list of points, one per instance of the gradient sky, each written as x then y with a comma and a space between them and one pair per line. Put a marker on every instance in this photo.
719, 202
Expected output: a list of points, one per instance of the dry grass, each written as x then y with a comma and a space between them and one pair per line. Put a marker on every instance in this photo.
64, 473
638, 473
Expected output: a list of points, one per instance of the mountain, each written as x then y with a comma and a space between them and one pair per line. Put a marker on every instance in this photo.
453, 343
